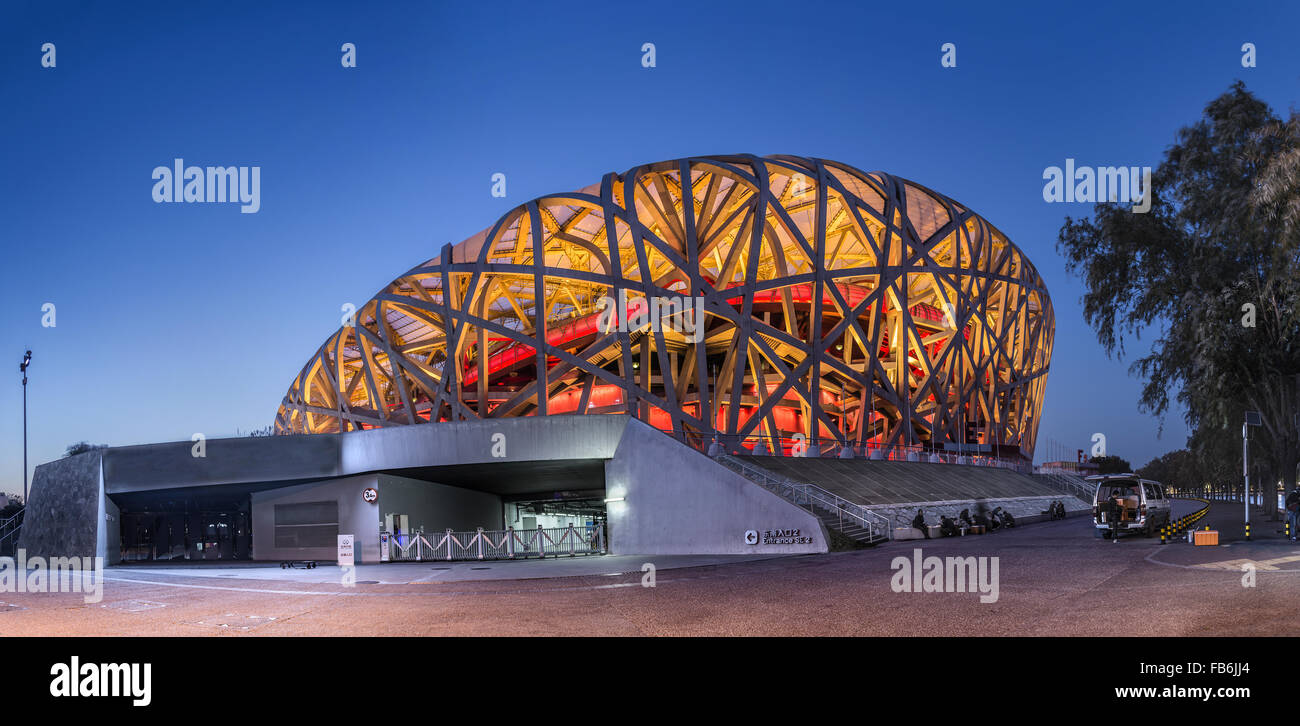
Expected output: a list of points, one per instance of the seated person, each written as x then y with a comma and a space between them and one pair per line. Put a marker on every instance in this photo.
948, 527
919, 523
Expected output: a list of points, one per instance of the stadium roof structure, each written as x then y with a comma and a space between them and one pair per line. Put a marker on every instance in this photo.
852, 308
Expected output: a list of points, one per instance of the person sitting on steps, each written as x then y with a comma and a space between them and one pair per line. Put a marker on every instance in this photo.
919, 523
948, 527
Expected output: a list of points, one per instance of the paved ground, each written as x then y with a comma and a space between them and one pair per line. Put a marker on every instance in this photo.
407, 573
1054, 579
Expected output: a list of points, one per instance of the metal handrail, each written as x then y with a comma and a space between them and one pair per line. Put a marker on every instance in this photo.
12, 524
805, 495
817, 447
17, 515
9, 530
1077, 488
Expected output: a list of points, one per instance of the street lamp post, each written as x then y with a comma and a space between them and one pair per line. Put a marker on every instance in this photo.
27, 359
1252, 419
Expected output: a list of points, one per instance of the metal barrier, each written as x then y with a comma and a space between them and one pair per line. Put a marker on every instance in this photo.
495, 544
812, 498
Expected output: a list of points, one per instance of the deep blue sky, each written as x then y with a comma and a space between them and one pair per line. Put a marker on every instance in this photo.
183, 318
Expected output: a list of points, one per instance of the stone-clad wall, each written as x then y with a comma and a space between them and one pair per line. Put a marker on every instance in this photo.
1024, 509
62, 519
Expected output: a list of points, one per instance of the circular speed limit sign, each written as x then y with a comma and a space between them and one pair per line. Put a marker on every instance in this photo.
370, 495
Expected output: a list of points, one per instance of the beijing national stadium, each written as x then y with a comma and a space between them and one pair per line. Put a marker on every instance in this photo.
713, 355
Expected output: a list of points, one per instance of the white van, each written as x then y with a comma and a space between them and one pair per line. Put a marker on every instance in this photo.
1143, 506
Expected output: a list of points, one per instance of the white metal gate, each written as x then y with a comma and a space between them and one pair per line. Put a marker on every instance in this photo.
495, 544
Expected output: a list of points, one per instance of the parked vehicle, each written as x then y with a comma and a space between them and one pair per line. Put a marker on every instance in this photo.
1128, 503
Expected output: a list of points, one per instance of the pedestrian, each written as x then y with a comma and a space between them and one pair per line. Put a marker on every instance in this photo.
1293, 510
1113, 508
919, 522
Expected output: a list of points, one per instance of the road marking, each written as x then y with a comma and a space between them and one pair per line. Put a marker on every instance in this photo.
1233, 565
134, 606
234, 622
1259, 564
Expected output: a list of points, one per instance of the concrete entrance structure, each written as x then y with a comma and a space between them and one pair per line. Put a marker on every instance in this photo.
666, 498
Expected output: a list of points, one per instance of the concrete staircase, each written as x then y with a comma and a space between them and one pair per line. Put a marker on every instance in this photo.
849, 528
848, 518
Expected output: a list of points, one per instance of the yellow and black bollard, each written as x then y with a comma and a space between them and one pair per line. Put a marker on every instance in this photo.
1247, 529
1162, 534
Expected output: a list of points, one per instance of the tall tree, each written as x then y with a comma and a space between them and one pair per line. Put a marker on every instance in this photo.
1206, 269
1112, 465
1177, 469
82, 447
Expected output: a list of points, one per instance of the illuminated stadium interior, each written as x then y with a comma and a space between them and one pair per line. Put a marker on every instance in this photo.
857, 309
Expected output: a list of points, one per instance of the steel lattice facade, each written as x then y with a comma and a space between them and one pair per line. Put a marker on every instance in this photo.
850, 307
